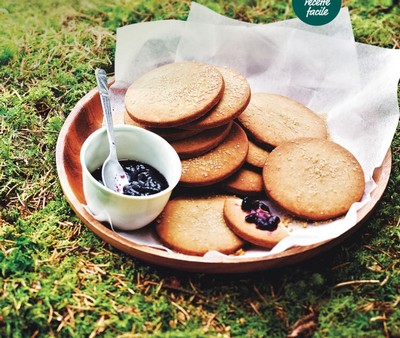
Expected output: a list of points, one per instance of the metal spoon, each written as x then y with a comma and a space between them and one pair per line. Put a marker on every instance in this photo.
113, 175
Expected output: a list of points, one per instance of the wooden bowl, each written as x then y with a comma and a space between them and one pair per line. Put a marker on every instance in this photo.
87, 116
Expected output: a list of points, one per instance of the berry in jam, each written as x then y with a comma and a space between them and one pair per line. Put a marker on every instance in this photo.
263, 206
143, 179
248, 204
259, 214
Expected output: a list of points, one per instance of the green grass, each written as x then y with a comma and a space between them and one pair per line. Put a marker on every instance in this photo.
58, 279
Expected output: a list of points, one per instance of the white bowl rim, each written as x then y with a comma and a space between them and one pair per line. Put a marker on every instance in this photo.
137, 129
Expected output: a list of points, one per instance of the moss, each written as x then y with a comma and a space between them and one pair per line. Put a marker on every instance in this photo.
59, 279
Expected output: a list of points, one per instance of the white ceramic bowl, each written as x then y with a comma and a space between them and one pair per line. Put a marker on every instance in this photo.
133, 143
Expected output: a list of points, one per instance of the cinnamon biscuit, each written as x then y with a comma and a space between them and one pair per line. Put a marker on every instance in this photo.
244, 182
128, 120
234, 100
201, 143
313, 178
235, 219
170, 134
195, 225
256, 155
174, 94
272, 119
174, 134
219, 163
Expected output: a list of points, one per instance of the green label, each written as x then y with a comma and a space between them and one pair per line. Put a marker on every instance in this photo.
316, 12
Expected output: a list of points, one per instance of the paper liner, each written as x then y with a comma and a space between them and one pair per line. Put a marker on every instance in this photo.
352, 85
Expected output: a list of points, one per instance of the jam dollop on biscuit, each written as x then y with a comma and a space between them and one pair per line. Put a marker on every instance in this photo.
259, 214
241, 216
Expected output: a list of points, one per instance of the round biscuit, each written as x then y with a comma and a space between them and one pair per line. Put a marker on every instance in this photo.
170, 134
217, 164
128, 120
272, 119
244, 182
201, 143
234, 100
195, 225
174, 94
313, 178
256, 155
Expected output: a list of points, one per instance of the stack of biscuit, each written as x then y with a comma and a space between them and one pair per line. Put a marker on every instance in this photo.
270, 120
193, 106
305, 173
247, 144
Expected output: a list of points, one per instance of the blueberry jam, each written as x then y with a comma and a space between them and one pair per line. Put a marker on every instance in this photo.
143, 179
259, 214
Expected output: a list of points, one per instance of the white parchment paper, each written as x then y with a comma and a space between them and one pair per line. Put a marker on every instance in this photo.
353, 85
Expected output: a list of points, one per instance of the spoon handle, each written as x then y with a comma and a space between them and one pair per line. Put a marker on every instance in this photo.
102, 85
